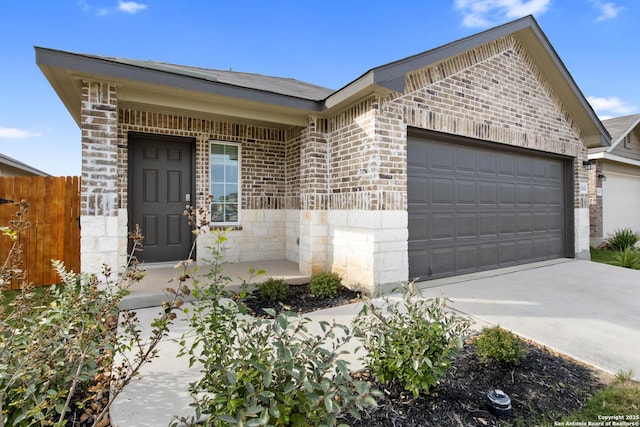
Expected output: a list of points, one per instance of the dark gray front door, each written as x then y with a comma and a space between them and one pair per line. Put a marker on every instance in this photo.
160, 186
478, 207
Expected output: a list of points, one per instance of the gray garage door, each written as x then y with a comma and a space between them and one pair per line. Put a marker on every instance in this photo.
480, 206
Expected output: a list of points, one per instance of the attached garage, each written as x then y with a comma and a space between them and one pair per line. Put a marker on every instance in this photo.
476, 206
620, 202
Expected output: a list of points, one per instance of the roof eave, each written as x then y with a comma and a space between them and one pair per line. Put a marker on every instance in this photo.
391, 77
64, 70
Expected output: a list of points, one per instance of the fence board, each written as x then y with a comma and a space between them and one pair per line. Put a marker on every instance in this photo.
54, 234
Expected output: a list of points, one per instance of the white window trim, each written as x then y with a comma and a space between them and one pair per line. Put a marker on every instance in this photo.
236, 144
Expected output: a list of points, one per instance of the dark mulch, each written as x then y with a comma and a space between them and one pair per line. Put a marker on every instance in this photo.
300, 300
543, 386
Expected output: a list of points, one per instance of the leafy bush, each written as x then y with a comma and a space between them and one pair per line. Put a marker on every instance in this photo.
622, 239
628, 258
273, 289
325, 285
258, 372
499, 345
411, 341
49, 351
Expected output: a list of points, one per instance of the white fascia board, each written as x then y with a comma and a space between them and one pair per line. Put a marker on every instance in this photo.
608, 156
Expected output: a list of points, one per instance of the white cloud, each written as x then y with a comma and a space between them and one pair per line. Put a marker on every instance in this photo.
607, 10
612, 106
484, 13
14, 133
131, 6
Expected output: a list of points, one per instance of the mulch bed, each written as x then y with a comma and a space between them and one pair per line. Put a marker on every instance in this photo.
299, 300
543, 386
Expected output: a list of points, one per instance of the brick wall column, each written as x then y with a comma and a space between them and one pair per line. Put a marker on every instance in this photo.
596, 228
313, 197
313, 165
103, 236
99, 126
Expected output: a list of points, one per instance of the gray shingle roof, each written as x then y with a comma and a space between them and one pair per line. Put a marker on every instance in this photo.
620, 126
279, 85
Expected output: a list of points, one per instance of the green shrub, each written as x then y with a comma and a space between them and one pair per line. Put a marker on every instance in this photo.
273, 289
258, 372
411, 341
325, 285
628, 258
499, 345
621, 239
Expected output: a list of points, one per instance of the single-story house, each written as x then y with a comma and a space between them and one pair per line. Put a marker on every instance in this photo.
462, 158
12, 167
614, 180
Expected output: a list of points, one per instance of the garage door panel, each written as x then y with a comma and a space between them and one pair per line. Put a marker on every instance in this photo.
507, 223
488, 255
419, 224
442, 191
524, 194
523, 168
488, 224
506, 194
555, 196
417, 189
466, 259
555, 222
487, 163
439, 158
508, 253
476, 208
442, 226
466, 161
525, 250
487, 193
539, 195
467, 225
540, 223
539, 169
506, 166
524, 223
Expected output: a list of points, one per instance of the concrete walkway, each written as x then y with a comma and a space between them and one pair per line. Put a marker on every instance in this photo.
148, 292
587, 310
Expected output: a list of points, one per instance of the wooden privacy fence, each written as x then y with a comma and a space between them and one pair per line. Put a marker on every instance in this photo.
54, 215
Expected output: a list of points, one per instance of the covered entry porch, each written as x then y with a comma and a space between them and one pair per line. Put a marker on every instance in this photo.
149, 292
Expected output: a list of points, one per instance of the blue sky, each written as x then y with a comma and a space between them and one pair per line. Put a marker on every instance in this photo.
329, 43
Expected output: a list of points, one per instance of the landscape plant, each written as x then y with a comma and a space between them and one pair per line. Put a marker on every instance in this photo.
50, 351
411, 340
259, 372
628, 258
325, 284
273, 289
622, 239
498, 344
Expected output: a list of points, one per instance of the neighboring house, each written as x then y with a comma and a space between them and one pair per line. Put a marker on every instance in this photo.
463, 158
614, 182
13, 167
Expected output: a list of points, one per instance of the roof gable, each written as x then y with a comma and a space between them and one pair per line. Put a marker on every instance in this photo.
293, 100
620, 127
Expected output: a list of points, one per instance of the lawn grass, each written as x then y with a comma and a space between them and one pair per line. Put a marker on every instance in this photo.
620, 398
604, 256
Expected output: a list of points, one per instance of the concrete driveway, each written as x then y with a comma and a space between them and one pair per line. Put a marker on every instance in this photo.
588, 310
